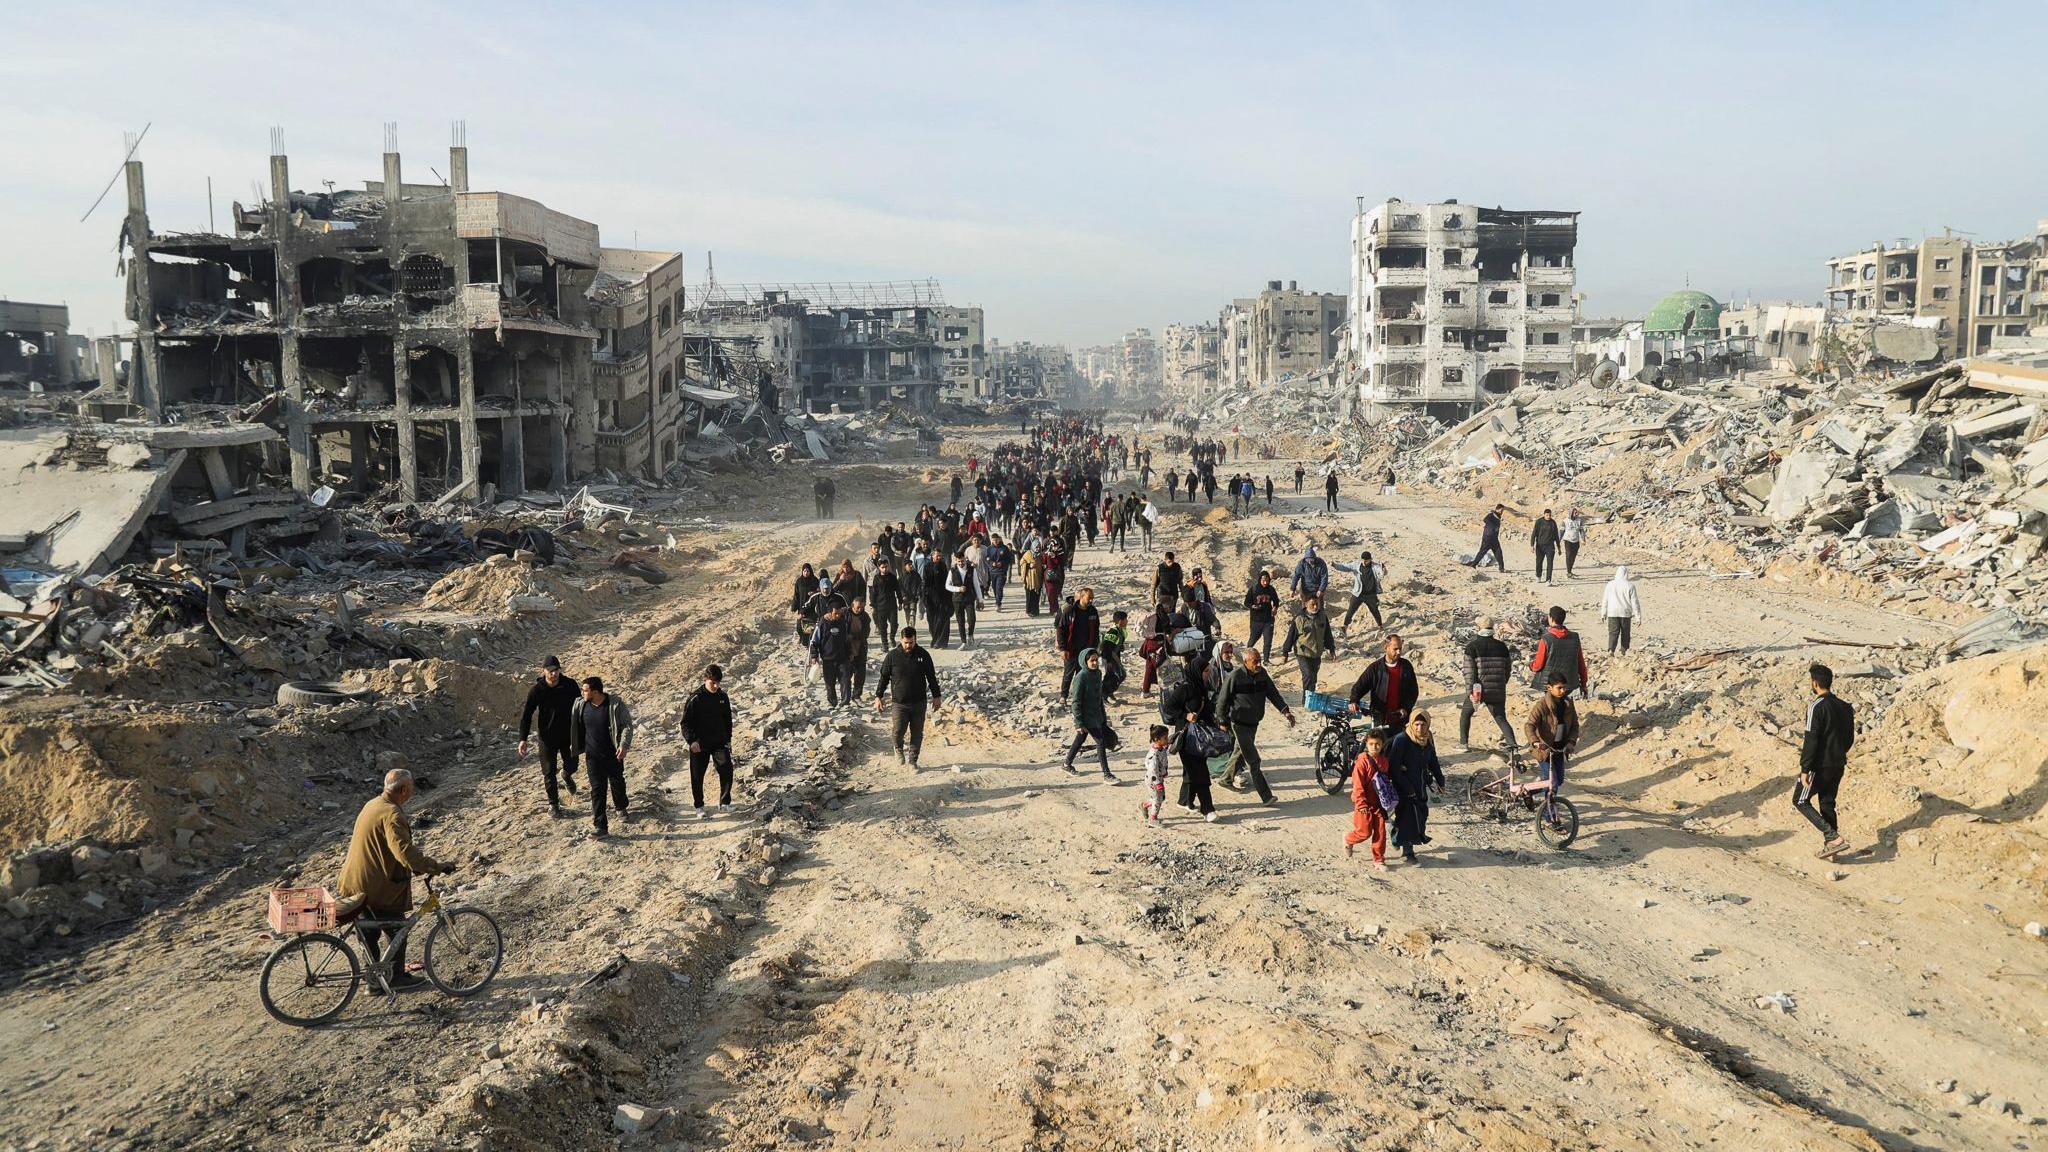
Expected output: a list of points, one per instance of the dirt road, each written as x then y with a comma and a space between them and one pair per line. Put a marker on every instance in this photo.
991, 953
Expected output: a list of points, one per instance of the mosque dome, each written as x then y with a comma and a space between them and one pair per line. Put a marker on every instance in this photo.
1686, 311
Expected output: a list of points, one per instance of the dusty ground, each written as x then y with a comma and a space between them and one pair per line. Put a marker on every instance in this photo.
993, 954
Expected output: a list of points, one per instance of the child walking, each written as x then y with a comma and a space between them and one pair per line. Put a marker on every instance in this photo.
1156, 765
1373, 798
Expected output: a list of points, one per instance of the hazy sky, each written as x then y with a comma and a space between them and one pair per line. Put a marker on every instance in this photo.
1076, 170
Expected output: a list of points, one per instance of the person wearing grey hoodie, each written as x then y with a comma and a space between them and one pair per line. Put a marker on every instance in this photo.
1622, 606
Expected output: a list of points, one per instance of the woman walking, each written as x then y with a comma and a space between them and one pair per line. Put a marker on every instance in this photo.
1412, 757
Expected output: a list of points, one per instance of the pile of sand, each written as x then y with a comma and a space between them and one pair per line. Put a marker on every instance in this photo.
490, 585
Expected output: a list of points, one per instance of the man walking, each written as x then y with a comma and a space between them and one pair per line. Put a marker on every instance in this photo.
885, 591
1489, 540
1622, 606
1299, 473
1262, 600
1242, 702
601, 727
825, 491
550, 700
1330, 492
1543, 538
1487, 664
1365, 590
908, 670
1573, 534
1080, 631
707, 729
1823, 754
1309, 639
1387, 688
1311, 574
1560, 651
832, 650
1166, 581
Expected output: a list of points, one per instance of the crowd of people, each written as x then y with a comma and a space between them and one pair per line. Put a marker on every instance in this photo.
1025, 513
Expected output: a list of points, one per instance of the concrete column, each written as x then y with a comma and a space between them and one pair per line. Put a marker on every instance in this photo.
60, 341
359, 456
408, 440
298, 436
511, 456
106, 352
458, 168
472, 446
144, 374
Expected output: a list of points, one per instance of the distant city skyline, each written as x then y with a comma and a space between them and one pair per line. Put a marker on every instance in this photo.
1077, 172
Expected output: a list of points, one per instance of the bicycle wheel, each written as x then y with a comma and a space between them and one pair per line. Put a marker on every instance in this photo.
1557, 822
1476, 799
310, 979
1330, 767
463, 951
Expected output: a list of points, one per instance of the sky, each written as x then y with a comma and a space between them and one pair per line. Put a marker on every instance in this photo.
1075, 170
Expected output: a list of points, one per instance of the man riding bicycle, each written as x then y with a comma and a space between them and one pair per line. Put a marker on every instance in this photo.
1553, 733
380, 866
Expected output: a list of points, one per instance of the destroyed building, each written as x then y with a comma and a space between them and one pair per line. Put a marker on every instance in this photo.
1786, 334
637, 368
1234, 345
1024, 370
1293, 333
1452, 305
856, 346
36, 346
966, 354
422, 335
1187, 358
1967, 293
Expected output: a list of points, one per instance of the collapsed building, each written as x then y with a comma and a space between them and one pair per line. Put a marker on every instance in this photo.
422, 335
1025, 370
1964, 294
37, 347
1453, 306
855, 347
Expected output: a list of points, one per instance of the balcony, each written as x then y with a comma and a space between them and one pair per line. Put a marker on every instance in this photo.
1399, 353
1536, 276
1401, 277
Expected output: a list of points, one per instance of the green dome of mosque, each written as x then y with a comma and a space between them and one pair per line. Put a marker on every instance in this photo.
1686, 311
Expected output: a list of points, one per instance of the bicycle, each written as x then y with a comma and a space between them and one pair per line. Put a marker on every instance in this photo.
313, 977
1488, 793
1337, 745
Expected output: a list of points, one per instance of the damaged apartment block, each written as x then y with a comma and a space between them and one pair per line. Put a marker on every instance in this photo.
417, 335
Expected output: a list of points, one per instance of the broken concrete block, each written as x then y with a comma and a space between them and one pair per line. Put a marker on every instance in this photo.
87, 859
631, 1118
19, 874
1802, 478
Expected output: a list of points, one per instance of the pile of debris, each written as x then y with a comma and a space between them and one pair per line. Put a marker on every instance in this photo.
1934, 484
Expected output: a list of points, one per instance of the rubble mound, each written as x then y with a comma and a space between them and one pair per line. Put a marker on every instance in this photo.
478, 696
504, 584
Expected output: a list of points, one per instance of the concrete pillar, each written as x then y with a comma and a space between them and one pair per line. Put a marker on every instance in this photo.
359, 456
511, 456
60, 343
106, 352
144, 374
458, 168
298, 435
408, 440
472, 446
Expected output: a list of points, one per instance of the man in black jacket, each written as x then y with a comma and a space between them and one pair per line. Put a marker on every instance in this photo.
1489, 539
884, 591
909, 669
550, 700
707, 729
1262, 600
1387, 687
1488, 664
1543, 538
832, 649
1330, 492
1080, 630
1830, 730
1241, 703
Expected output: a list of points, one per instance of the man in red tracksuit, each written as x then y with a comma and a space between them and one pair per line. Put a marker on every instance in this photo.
1560, 651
